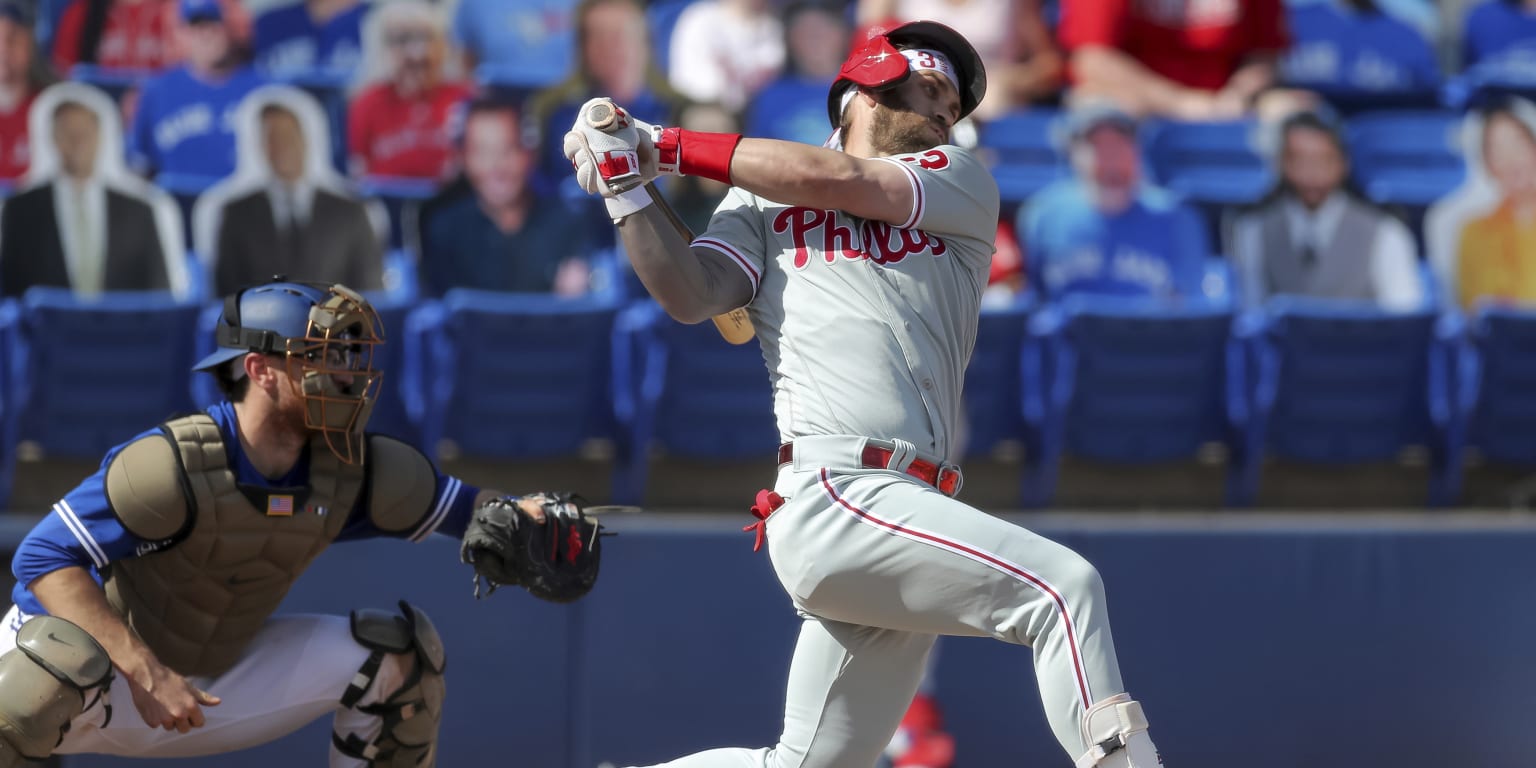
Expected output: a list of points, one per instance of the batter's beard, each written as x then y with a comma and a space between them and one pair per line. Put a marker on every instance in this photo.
896, 130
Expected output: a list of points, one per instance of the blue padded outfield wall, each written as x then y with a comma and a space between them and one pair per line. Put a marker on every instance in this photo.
1255, 641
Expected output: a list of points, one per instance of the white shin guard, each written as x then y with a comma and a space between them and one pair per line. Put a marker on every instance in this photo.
1116, 731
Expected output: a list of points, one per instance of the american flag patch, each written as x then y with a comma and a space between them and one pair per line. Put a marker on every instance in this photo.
280, 506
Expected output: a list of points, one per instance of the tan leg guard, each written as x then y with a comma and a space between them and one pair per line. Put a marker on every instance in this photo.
1116, 731
44, 684
413, 712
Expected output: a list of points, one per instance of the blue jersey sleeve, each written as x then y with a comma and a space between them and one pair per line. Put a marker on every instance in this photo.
81, 530
452, 504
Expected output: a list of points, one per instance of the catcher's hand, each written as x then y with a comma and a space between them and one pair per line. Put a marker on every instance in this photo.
556, 560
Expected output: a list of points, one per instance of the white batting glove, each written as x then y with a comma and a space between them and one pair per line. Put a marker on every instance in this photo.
606, 162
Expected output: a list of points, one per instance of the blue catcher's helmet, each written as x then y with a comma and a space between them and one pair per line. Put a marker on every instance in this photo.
326, 337
262, 319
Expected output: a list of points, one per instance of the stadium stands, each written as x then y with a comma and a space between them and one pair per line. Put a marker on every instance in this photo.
1496, 375
684, 390
97, 372
1335, 383
1317, 384
1211, 163
1117, 380
1406, 158
1027, 151
509, 375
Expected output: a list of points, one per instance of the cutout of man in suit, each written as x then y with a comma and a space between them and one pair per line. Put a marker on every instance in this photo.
286, 211
82, 222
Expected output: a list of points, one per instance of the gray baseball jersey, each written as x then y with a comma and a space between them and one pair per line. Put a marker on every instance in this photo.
866, 328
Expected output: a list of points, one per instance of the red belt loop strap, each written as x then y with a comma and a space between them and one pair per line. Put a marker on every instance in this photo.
945, 477
767, 501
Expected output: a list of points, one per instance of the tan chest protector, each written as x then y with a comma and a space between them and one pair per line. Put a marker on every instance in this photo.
225, 557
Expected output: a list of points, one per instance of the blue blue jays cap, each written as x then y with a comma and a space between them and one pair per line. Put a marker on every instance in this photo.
201, 10
262, 319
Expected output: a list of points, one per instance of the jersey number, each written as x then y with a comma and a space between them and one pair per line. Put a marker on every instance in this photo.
933, 160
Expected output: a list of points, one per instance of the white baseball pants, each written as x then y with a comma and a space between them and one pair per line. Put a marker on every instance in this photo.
879, 564
295, 671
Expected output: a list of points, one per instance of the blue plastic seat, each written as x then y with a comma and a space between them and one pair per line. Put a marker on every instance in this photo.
115, 82
1028, 152
99, 371
1406, 158
993, 414
1337, 383
1121, 380
1496, 388
510, 375
683, 389
10, 412
1210, 163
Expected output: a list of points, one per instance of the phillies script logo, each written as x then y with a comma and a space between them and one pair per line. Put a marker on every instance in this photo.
879, 242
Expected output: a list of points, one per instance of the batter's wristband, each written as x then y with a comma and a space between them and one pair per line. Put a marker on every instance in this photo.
699, 153
627, 202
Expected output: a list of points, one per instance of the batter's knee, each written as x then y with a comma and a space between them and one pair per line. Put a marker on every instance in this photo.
1078, 580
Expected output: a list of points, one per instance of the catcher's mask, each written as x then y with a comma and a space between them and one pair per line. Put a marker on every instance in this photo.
326, 337
878, 65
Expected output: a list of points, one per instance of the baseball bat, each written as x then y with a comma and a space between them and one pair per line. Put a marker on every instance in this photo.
734, 326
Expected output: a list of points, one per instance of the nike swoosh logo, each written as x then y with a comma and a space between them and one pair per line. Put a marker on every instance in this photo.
55, 638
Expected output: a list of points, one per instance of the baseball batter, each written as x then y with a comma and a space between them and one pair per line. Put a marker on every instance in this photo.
168, 563
863, 270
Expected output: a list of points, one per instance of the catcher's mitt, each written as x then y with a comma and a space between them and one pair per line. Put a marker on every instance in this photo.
555, 561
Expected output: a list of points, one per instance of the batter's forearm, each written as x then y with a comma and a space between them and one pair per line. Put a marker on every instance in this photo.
814, 177
71, 594
689, 287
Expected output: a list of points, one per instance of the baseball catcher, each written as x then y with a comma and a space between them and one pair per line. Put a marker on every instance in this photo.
146, 599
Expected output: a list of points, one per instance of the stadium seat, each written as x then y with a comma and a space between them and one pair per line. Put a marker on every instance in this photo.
1209, 163
509, 375
1407, 158
115, 82
1496, 385
1121, 380
1348, 102
1334, 382
1027, 151
401, 198
10, 412
993, 414
99, 371
685, 390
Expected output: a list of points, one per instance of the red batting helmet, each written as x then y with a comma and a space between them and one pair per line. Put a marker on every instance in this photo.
876, 65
